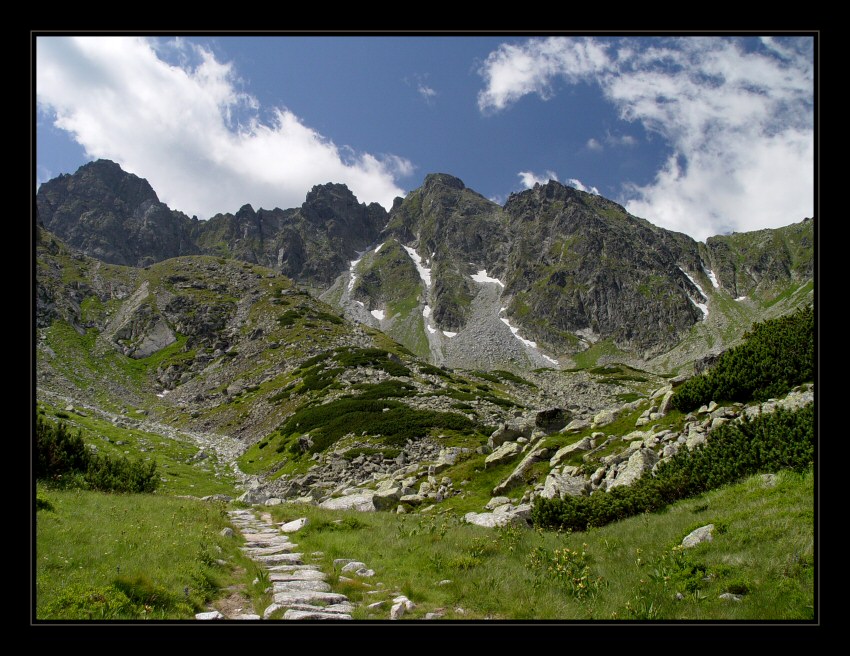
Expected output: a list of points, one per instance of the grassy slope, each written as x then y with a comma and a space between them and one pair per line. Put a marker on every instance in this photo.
764, 545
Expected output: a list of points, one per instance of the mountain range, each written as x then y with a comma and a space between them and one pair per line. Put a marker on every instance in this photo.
553, 277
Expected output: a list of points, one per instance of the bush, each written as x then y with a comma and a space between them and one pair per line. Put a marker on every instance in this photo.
767, 443
62, 458
776, 356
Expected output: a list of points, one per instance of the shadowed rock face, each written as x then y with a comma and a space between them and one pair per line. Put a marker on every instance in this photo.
114, 216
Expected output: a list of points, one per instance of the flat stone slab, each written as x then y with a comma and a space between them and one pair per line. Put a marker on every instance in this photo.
211, 615
292, 568
313, 615
280, 559
268, 551
298, 575
247, 616
308, 596
297, 586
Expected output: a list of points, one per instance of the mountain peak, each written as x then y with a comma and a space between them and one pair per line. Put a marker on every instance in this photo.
443, 179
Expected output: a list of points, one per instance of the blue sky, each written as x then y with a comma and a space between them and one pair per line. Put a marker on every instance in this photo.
703, 135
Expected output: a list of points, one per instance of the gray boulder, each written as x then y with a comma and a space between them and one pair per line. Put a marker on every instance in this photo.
561, 454
507, 451
294, 525
508, 432
639, 462
361, 501
516, 477
563, 485
698, 536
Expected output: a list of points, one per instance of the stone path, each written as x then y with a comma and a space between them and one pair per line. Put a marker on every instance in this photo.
300, 590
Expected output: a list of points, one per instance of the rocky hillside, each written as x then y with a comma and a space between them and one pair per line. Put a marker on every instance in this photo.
557, 278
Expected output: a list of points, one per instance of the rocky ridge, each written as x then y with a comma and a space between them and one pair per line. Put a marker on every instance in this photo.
570, 271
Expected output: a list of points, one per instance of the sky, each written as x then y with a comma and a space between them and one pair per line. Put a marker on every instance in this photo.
700, 134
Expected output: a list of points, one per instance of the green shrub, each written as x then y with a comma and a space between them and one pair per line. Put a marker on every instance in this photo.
63, 459
766, 443
776, 356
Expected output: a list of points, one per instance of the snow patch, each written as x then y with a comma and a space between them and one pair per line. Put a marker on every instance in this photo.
351, 266
378, 314
482, 276
552, 360
741, 298
424, 272
696, 284
702, 306
379, 247
360, 303
712, 278
430, 330
515, 331
449, 333
163, 393
426, 311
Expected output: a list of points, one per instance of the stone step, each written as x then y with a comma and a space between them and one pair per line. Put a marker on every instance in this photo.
298, 575
308, 596
297, 586
313, 615
280, 559
268, 551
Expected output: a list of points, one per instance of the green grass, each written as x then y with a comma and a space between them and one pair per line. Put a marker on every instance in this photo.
178, 474
113, 556
763, 543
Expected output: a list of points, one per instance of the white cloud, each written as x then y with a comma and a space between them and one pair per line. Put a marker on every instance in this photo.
529, 178
427, 93
619, 140
512, 71
593, 144
575, 182
738, 121
190, 131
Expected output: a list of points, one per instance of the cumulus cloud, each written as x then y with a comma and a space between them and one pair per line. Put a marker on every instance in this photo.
593, 144
529, 178
575, 182
191, 131
738, 119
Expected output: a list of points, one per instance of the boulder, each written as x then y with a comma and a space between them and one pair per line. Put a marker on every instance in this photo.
516, 477
518, 516
507, 451
563, 485
577, 425
552, 420
510, 431
665, 406
698, 536
495, 502
639, 462
561, 454
387, 498
606, 416
361, 501
294, 525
